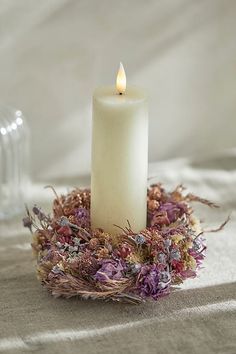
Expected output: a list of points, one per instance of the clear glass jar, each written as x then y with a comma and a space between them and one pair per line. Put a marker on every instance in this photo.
14, 161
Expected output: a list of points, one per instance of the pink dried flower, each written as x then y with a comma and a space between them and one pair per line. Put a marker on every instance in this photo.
65, 231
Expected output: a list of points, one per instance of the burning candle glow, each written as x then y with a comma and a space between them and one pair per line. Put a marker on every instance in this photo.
121, 80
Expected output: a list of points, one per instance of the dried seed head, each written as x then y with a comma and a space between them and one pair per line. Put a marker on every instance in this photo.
103, 253
93, 243
153, 204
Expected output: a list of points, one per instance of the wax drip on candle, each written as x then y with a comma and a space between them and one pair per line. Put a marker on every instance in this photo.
121, 80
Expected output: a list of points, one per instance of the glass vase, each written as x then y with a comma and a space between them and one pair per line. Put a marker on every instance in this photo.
14, 162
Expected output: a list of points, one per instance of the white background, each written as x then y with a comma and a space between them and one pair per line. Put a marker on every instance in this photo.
183, 52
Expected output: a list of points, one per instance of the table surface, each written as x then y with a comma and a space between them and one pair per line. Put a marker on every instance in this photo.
197, 318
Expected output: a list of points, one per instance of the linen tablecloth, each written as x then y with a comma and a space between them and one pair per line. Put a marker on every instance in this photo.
200, 317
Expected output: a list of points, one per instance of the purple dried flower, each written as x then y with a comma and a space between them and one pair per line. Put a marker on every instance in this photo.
110, 269
173, 210
27, 222
165, 277
197, 244
64, 221
36, 210
83, 217
175, 255
134, 268
76, 241
57, 270
72, 248
198, 250
167, 243
161, 258
140, 239
40, 215
151, 282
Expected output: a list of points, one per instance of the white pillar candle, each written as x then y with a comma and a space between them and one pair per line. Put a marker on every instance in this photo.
119, 157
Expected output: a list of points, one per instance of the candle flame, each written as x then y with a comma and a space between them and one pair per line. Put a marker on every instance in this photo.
121, 80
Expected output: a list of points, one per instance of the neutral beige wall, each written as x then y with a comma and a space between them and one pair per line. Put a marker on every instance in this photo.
54, 52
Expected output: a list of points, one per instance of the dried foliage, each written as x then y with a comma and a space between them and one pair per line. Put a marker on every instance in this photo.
74, 260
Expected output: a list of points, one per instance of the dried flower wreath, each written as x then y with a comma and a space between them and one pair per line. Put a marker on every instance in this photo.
74, 260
